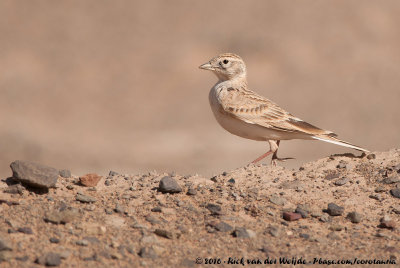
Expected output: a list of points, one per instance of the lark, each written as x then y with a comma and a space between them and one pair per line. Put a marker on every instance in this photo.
246, 114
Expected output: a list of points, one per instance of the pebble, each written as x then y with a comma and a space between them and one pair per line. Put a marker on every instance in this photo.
113, 173
380, 189
164, 233
5, 245
6, 255
395, 192
147, 252
85, 198
156, 209
388, 223
336, 227
334, 210
82, 242
341, 182
241, 232
119, 209
331, 176
89, 180
25, 230
342, 164
291, 216
14, 189
376, 197
274, 231
325, 218
214, 209
303, 210
54, 240
191, 191
33, 174
354, 217
169, 185
391, 180
277, 200
64, 216
371, 156
232, 180
65, 173
49, 259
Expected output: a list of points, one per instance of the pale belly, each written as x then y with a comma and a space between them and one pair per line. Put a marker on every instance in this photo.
247, 130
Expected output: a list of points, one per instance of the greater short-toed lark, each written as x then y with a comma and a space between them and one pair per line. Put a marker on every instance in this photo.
244, 113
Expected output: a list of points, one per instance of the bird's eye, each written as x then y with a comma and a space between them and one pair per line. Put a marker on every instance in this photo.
225, 61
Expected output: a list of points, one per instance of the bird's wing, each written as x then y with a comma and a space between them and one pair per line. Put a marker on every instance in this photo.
252, 108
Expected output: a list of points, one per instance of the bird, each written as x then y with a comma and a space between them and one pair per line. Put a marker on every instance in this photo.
246, 114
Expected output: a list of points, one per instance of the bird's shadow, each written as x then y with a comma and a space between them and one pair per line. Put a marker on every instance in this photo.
349, 155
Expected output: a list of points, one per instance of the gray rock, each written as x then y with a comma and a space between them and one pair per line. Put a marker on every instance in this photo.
232, 180
391, 180
274, 231
354, 217
334, 210
277, 200
325, 218
5, 245
25, 230
336, 227
33, 174
223, 227
5, 255
241, 232
85, 198
342, 164
49, 259
331, 176
303, 210
112, 173
54, 240
214, 209
169, 185
63, 216
395, 192
147, 252
15, 189
164, 233
376, 197
341, 181
65, 173
82, 242
191, 191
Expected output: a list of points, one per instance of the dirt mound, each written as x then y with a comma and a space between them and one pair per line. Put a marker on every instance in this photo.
341, 208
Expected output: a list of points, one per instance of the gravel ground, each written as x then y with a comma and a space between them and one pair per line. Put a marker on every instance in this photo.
337, 208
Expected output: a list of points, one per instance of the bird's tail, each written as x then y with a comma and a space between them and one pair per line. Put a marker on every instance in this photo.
332, 139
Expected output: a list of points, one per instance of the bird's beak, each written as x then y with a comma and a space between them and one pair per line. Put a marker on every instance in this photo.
206, 66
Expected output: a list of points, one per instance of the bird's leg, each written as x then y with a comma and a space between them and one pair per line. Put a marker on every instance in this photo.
273, 147
275, 157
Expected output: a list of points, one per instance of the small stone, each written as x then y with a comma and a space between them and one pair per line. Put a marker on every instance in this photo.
241, 232
90, 180
70, 187
25, 230
119, 209
232, 180
395, 192
214, 209
376, 197
147, 252
305, 236
54, 240
391, 180
33, 174
164, 233
341, 182
380, 189
386, 222
334, 210
156, 209
5, 255
5, 245
274, 231
336, 227
112, 173
85, 198
342, 164
191, 191
325, 218
169, 185
371, 156
277, 200
63, 216
65, 173
302, 211
152, 219
15, 189
331, 176
354, 217
291, 216
82, 242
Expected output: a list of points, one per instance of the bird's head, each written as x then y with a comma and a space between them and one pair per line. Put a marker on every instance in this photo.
226, 66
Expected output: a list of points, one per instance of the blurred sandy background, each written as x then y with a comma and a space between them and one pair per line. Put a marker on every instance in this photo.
99, 85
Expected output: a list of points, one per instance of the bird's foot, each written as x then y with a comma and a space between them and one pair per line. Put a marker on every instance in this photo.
275, 160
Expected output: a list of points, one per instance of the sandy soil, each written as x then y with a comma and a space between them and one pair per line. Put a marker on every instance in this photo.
237, 214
